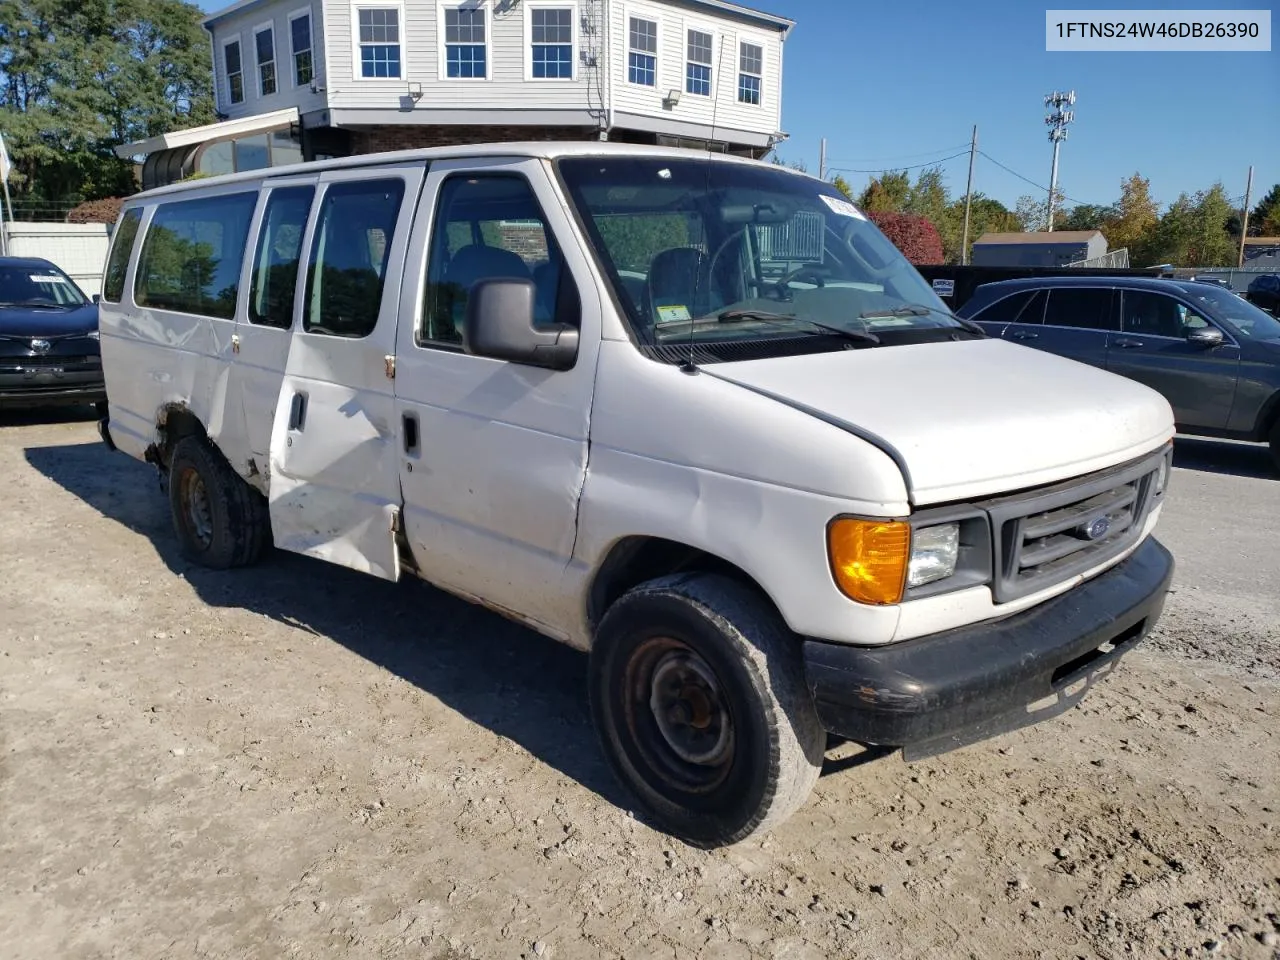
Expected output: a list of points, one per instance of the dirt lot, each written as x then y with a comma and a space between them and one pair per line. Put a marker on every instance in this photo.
297, 761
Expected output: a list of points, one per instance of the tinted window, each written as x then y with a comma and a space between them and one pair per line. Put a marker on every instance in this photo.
192, 253
1086, 309
1152, 314
1005, 310
275, 266
488, 228
348, 262
40, 284
118, 261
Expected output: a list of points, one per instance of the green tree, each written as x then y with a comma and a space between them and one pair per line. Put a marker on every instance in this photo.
841, 184
886, 193
1264, 219
1032, 213
1136, 215
986, 215
1192, 232
77, 79
1086, 216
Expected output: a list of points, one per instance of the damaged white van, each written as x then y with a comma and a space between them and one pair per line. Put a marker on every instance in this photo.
692, 414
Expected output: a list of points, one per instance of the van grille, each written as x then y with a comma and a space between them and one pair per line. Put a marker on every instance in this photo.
1055, 533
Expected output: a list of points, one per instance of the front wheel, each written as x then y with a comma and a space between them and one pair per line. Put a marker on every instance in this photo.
220, 520
698, 695
1274, 441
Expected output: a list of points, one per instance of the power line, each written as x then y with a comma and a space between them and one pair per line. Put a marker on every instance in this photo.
914, 166
902, 156
1038, 186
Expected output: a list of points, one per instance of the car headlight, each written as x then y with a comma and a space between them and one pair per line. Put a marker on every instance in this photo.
935, 551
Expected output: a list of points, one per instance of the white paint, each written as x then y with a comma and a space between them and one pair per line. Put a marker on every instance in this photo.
524, 479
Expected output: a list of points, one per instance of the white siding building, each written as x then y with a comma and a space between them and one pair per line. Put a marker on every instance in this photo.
335, 77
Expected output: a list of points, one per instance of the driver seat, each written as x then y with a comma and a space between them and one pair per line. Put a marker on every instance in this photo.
677, 278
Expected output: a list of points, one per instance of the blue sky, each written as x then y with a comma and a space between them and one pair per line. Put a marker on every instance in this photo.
908, 80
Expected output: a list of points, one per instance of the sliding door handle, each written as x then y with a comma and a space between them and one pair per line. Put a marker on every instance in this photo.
409, 430
298, 412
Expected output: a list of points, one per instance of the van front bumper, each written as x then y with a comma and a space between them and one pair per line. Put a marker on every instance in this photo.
951, 689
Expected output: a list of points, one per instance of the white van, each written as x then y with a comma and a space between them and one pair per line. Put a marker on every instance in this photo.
693, 414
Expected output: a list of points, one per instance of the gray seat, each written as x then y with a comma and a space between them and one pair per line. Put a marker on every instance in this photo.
468, 267
677, 278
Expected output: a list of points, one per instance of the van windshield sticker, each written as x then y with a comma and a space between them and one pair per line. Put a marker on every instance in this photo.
43, 278
673, 314
842, 207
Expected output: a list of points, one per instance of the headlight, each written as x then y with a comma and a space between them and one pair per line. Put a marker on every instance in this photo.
94, 335
935, 552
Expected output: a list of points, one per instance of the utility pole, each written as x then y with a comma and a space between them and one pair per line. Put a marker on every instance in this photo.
968, 199
822, 159
1057, 122
1244, 221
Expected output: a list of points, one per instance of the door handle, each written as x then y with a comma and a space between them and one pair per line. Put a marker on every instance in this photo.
298, 412
1125, 343
1024, 335
409, 423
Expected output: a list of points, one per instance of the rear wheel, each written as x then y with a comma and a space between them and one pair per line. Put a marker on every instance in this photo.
221, 521
1274, 440
698, 694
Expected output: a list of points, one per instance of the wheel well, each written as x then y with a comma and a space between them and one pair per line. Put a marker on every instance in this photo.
174, 422
636, 560
1270, 417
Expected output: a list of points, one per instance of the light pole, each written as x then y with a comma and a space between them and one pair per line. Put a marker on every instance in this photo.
1057, 122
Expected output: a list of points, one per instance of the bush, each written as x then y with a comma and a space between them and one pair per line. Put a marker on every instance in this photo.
915, 236
96, 211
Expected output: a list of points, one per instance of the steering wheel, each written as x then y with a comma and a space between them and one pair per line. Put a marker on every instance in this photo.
783, 285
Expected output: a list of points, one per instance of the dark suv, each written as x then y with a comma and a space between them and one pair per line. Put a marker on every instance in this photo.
1265, 292
1214, 356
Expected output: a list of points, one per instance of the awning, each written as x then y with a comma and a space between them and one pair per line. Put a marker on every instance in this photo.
195, 136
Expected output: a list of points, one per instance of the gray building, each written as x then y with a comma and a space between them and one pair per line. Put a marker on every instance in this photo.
307, 79
1040, 249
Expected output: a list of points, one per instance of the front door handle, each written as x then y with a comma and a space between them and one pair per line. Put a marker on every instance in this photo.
1024, 335
298, 412
1126, 343
409, 424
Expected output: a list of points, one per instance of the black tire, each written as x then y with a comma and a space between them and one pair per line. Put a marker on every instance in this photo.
1274, 441
220, 520
698, 695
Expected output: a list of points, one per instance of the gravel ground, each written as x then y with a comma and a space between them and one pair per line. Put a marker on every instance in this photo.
298, 761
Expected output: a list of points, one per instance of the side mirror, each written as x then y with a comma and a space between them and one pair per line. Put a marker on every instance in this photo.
500, 325
97, 298
1206, 337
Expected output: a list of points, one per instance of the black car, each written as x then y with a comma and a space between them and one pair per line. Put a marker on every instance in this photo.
1264, 290
1214, 356
48, 337
1216, 281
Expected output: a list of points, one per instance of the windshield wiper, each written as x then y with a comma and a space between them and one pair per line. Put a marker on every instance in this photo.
31, 304
921, 310
764, 316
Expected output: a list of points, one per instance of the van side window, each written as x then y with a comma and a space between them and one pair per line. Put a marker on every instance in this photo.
486, 228
348, 262
192, 253
118, 261
275, 265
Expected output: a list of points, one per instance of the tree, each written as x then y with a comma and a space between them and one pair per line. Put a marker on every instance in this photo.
886, 193
1192, 232
77, 79
841, 184
1264, 219
986, 215
929, 198
1136, 215
914, 236
1033, 214
1087, 216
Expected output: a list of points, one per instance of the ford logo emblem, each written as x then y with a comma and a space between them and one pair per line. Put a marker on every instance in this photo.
1096, 528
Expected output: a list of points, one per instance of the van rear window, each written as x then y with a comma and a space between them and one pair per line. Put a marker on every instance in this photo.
118, 261
191, 255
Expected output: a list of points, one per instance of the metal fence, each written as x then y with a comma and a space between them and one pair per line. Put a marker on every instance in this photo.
1116, 259
1237, 279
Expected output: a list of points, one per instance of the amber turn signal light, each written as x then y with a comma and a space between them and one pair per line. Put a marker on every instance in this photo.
869, 558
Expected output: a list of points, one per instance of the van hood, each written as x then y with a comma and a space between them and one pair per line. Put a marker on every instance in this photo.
969, 418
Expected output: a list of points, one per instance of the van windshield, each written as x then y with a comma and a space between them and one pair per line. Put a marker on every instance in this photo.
715, 253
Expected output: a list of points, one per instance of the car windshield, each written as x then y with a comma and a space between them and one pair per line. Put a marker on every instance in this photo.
37, 285
1247, 319
715, 253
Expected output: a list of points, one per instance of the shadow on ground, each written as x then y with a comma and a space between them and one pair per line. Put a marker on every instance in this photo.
1226, 457
30, 416
511, 680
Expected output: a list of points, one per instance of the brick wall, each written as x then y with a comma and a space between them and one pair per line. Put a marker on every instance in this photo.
413, 138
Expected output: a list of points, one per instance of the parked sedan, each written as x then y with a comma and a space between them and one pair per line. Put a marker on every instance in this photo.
1264, 291
48, 337
1214, 356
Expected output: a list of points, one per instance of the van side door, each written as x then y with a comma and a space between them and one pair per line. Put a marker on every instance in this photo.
335, 486
493, 454
1152, 348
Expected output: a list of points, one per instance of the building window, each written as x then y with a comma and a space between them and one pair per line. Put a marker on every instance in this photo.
379, 42
552, 37
697, 71
642, 52
235, 72
464, 43
750, 68
300, 37
264, 42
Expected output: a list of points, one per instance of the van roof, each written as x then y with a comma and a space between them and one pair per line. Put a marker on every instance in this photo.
542, 150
